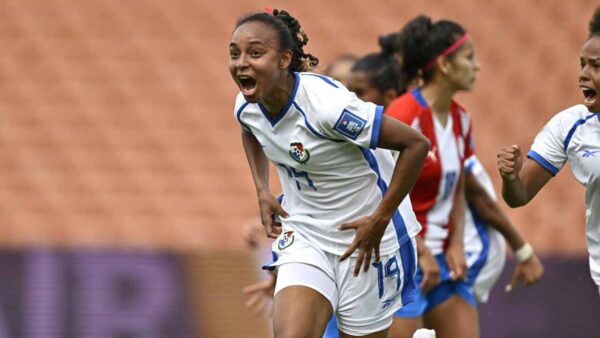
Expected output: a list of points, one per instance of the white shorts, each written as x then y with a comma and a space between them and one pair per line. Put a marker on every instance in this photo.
486, 262
363, 304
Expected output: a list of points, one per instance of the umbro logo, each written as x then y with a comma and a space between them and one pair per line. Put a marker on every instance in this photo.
587, 153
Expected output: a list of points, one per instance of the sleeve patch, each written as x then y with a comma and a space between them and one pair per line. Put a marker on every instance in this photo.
350, 125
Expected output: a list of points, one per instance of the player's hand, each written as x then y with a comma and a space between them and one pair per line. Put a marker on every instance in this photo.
527, 273
457, 263
269, 209
430, 270
510, 162
369, 231
260, 296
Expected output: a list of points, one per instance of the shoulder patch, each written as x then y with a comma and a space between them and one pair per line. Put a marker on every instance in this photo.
350, 125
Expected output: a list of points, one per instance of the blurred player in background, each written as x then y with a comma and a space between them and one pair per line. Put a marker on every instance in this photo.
443, 56
572, 136
341, 196
339, 68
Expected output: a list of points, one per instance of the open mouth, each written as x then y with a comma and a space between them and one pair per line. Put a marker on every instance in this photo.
247, 85
589, 95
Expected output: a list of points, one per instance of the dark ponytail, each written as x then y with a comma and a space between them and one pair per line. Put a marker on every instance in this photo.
382, 69
594, 26
291, 37
422, 41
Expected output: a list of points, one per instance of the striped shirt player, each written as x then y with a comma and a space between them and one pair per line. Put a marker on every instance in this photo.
573, 136
485, 247
323, 146
433, 195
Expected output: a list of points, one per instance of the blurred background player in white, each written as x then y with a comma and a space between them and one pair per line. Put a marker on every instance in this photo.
442, 55
376, 78
298, 121
572, 136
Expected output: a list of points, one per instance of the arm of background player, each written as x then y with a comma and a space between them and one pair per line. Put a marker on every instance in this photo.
455, 254
528, 271
413, 147
259, 167
520, 186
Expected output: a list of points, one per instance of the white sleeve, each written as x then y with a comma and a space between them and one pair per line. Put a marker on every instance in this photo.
355, 121
240, 104
548, 148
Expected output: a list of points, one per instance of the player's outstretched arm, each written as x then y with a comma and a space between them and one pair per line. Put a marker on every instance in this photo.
413, 147
259, 166
520, 186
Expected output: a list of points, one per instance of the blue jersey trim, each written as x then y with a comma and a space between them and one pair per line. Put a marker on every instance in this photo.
543, 162
239, 113
470, 165
481, 227
399, 225
419, 97
574, 128
274, 120
311, 128
376, 127
322, 77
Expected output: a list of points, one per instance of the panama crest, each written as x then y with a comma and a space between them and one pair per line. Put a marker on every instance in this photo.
299, 153
287, 238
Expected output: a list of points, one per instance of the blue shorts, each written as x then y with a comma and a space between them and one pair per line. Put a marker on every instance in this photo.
442, 292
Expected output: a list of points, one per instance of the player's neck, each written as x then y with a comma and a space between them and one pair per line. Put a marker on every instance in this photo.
439, 99
280, 95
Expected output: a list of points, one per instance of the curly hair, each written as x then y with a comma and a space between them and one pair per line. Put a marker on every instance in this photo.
291, 37
594, 26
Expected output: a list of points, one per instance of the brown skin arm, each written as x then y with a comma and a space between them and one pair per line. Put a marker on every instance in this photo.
520, 186
259, 167
413, 149
455, 254
527, 272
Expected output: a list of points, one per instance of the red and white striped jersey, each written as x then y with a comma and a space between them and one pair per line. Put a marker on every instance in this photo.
433, 195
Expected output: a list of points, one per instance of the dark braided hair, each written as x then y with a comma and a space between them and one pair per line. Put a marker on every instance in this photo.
594, 26
421, 41
382, 69
291, 37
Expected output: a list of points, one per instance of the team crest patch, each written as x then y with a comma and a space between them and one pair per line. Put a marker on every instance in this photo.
299, 153
287, 238
350, 125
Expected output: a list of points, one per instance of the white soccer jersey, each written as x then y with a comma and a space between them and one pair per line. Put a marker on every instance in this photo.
485, 247
321, 145
573, 135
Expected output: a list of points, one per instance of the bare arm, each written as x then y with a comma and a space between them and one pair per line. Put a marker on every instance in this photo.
520, 186
413, 149
259, 167
455, 254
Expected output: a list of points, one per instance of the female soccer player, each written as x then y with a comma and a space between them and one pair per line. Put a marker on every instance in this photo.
573, 136
339, 195
442, 55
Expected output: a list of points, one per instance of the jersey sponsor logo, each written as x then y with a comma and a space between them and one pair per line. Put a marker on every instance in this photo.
587, 153
350, 125
287, 239
299, 153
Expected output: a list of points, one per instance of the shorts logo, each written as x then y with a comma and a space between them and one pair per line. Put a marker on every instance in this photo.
588, 153
350, 125
287, 238
299, 153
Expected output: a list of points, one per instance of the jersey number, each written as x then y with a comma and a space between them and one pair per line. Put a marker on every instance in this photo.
390, 269
449, 183
297, 174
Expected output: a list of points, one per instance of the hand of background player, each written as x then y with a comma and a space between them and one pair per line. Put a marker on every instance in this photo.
527, 272
457, 263
252, 234
269, 209
369, 231
510, 162
260, 296
430, 269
